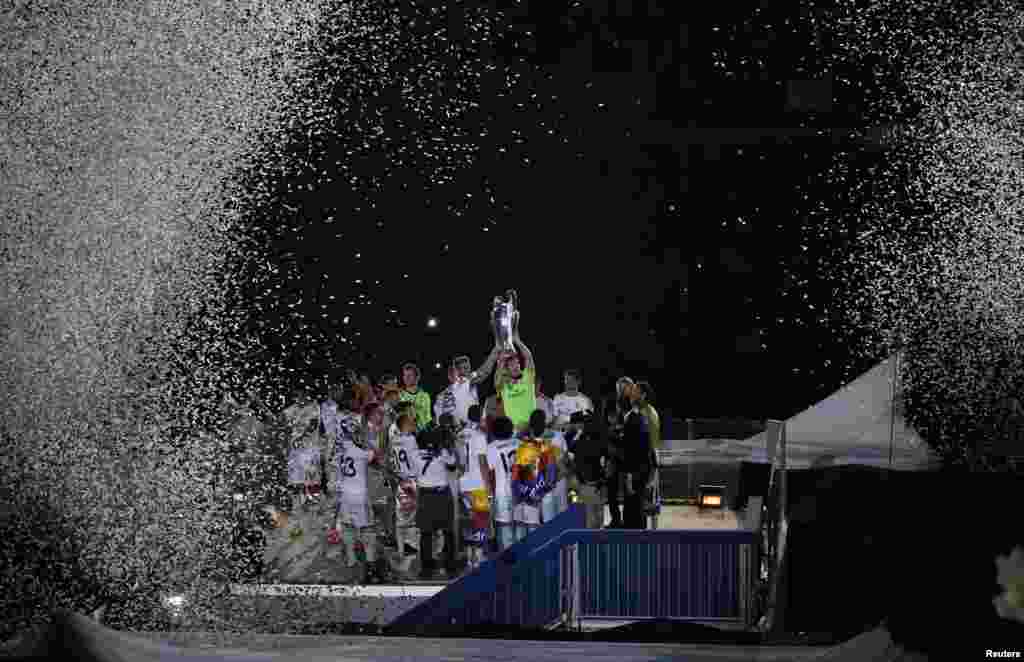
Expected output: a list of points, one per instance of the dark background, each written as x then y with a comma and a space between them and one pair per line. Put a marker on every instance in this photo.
661, 186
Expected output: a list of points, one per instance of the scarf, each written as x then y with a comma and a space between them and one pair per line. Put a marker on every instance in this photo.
535, 471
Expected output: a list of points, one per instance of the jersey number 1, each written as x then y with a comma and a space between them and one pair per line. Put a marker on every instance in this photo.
511, 458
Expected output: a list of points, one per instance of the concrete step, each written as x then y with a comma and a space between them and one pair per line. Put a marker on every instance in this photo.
259, 605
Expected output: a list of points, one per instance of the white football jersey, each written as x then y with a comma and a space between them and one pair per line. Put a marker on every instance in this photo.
501, 456
431, 467
465, 397
472, 443
566, 405
352, 465
444, 403
404, 454
349, 427
456, 400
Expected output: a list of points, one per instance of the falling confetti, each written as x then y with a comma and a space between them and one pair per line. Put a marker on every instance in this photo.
927, 236
159, 161
154, 160
394, 107
123, 130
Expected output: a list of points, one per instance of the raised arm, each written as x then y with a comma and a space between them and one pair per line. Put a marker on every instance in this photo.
500, 374
481, 373
527, 354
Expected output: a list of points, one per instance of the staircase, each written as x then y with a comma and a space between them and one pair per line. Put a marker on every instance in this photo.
563, 574
520, 587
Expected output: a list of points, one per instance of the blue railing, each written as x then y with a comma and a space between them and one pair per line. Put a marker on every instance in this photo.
516, 588
566, 574
705, 576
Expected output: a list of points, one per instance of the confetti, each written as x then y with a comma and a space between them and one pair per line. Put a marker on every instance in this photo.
922, 252
155, 159
397, 108
124, 133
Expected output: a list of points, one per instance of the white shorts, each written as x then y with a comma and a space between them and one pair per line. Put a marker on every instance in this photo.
303, 463
526, 513
504, 509
355, 511
406, 504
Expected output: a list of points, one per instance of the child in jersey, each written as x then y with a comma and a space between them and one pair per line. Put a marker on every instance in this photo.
501, 455
339, 423
472, 451
434, 510
355, 517
555, 501
404, 459
528, 515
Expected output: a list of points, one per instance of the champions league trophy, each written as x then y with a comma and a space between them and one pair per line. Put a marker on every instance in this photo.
504, 319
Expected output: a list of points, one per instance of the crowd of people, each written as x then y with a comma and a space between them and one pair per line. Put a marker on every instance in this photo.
443, 472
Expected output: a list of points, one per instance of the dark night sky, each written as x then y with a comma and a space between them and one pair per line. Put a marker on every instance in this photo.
649, 179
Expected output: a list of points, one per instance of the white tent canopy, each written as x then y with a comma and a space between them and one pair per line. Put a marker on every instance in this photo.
861, 423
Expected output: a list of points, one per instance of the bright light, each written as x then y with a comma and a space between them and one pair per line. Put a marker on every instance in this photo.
175, 605
432, 323
711, 496
437, 366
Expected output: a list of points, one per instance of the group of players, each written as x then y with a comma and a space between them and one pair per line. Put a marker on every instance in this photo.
428, 464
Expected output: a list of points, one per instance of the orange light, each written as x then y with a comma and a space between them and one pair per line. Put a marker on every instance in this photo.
711, 496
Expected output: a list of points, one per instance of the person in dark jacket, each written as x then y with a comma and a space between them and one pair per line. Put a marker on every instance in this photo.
586, 440
635, 463
615, 410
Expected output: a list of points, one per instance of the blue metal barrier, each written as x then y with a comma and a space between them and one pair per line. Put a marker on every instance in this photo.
563, 573
516, 588
692, 575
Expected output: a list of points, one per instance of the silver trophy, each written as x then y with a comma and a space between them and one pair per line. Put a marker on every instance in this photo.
504, 319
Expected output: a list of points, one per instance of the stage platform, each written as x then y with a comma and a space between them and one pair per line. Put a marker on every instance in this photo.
340, 599
323, 603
